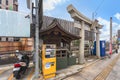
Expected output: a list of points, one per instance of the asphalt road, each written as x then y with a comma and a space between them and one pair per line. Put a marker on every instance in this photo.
7, 74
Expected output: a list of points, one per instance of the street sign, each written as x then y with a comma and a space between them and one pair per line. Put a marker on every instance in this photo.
14, 24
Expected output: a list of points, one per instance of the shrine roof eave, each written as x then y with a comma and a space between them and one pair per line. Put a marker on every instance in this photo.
54, 24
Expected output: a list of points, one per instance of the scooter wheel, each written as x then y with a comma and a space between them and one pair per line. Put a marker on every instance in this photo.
18, 76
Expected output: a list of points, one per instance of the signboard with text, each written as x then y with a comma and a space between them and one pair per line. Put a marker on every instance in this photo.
14, 24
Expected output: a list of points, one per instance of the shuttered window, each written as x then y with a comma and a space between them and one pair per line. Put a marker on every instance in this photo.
0, 1
6, 2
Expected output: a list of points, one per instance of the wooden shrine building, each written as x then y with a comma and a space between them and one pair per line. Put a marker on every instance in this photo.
62, 33
59, 32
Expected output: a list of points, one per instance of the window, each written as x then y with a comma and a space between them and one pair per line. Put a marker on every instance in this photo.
3, 38
6, 2
16, 39
7, 39
10, 39
6, 8
61, 44
15, 7
14, 1
0, 1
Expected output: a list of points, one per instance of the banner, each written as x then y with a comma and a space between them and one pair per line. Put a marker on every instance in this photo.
14, 24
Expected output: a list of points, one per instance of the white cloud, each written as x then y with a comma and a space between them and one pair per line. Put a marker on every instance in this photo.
105, 31
49, 5
117, 15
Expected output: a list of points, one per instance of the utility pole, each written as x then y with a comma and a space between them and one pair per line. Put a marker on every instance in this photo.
110, 46
93, 16
36, 40
40, 13
38, 25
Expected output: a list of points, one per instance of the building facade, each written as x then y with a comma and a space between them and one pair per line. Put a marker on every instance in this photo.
118, 33
118, 36
9, 5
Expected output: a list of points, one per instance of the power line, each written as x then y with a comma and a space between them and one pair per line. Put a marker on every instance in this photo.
99, 6
95, 12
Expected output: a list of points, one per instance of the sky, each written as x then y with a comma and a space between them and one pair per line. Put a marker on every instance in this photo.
103, 10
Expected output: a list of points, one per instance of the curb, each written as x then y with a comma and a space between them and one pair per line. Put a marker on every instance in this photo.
78, 70
63, 76
91, 63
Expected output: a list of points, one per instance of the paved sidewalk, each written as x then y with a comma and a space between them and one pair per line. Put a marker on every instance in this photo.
92, 71
63, 73
115, 73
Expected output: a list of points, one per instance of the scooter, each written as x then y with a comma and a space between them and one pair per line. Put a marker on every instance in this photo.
21, 67
16, 70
